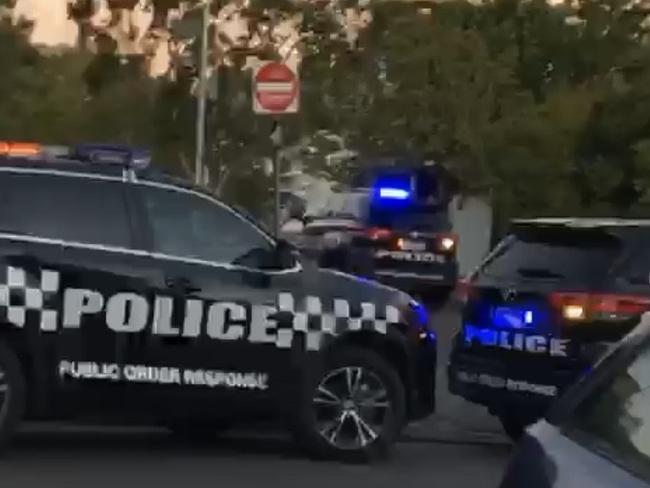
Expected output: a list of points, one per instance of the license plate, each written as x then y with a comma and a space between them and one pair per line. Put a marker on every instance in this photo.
512, 318
411, 256
408, 245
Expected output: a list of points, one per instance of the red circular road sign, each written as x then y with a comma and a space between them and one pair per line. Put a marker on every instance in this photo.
276, 87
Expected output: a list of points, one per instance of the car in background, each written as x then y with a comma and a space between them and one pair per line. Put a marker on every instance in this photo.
544, 305
598, 434
388, 232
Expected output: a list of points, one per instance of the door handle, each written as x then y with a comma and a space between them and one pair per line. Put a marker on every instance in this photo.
182, 284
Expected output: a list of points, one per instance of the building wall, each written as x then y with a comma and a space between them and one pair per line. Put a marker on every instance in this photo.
472, 222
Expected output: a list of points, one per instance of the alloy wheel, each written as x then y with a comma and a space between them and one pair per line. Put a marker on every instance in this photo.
351, 405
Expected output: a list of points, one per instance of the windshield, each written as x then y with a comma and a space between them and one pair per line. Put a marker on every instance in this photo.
345, 205
407, 219
614, 420
554, 253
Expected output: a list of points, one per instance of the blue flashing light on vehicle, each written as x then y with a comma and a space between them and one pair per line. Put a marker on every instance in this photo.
113, 154
394, 193
513, 318
420, 312
528, 317
128, 156
394, 188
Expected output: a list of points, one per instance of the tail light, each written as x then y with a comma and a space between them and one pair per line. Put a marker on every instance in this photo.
446, 243
581, 307
19, 149
378, 233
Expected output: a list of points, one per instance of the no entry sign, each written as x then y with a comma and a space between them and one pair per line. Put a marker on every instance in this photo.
276, 89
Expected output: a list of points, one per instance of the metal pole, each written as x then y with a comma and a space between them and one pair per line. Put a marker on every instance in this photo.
201, 96
277, 140
276, 191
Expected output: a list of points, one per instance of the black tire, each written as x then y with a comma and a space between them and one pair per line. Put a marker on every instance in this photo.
513, 425
12, 399
376, 373
363, 263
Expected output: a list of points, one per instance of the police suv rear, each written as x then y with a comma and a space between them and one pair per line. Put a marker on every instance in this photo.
543, 306
126, 294
393, 231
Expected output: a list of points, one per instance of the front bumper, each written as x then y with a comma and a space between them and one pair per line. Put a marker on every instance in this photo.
498, 380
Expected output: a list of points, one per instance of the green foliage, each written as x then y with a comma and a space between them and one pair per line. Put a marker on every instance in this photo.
545, 110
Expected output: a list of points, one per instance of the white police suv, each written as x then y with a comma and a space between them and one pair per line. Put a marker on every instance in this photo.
126, 294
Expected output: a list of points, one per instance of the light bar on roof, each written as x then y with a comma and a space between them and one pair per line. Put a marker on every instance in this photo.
113, 154
394, 193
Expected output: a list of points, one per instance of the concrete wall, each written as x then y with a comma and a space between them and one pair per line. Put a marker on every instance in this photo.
472, 222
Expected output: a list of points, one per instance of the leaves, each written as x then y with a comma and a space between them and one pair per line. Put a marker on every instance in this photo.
544, 109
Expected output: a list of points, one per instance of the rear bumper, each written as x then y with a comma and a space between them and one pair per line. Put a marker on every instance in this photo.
500, 381
435, 277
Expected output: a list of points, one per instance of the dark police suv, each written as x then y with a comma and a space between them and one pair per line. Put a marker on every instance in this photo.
127, 295
396, 230
541, 309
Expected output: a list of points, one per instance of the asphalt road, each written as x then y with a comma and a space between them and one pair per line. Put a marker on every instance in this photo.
455, 418
461, 446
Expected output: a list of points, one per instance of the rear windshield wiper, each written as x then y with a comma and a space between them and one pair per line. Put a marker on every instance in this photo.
539, 273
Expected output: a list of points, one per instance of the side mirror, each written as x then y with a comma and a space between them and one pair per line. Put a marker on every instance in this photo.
307, 219
286, 254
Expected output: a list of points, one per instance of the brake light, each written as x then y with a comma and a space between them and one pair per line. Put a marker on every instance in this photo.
19, 149
463, 291
377, 233
446, 243
580, 307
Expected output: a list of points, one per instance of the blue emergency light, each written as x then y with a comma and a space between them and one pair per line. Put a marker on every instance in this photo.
389, 193
394, 187
131, 157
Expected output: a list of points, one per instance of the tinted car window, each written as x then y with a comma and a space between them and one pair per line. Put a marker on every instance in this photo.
345, 205
190, 226
615, 419
409, 219
64, 207
554, 253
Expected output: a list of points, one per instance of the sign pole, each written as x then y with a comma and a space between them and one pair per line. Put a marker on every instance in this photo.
276, 90
201, 96
277, 140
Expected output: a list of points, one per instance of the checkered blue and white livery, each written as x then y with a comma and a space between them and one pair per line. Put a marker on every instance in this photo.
18, 298
310, 319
